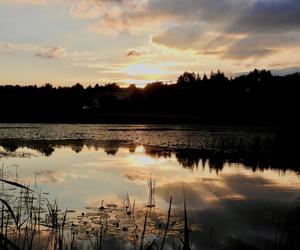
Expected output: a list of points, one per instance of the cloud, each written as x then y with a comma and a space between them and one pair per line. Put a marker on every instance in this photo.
214, 33
223, 15
90, 9
113, 17
238, 54
15, 47
137, 176
237, 15
49, 176
133, 53
51, 52
42, 51
181, 36
209, 52
126, 23
195, 10
234, 29
260, 45
191, 24
270, 17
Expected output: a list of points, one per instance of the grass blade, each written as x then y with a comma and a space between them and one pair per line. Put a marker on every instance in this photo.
8, 242
186, 242
144, 231
10, 211
16, 184
167, 225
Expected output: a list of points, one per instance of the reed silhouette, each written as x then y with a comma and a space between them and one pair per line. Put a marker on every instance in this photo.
30, 221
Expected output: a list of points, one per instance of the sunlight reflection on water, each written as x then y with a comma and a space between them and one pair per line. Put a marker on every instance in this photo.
232, 200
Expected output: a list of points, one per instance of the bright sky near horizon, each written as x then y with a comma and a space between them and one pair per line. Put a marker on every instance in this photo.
138, 41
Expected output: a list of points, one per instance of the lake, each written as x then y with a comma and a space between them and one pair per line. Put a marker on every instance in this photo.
237, 194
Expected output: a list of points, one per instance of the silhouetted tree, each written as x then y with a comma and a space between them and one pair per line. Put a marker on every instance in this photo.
257, 97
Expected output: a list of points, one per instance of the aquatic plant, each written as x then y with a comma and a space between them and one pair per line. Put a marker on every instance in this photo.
31, 221
151, 195
288, 230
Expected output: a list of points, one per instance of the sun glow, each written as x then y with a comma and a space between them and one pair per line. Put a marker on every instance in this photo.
142, 160
147, 70
140, 149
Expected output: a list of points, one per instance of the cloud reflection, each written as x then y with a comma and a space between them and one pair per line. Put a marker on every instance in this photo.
233, 206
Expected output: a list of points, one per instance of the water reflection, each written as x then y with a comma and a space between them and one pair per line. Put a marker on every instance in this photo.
257, 156
237, 205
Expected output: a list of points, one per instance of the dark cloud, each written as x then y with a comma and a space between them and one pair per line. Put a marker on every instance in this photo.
245, 53
208, 26
204, 10
269, 16
133, 53
239, 16
259, 45
268, 26
228, 28
210, 52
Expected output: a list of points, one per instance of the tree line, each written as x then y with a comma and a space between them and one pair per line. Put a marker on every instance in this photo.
258, 97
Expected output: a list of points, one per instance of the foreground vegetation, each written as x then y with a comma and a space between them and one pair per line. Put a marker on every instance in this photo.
29, 221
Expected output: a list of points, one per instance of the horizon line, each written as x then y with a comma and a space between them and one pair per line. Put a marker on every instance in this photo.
144, 83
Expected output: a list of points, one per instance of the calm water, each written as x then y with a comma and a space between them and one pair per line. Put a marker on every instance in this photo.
81, 165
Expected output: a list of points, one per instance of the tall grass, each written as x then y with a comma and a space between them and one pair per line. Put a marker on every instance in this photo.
29, 221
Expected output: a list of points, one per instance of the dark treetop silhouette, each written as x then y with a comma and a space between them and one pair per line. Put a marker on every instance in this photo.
256, 98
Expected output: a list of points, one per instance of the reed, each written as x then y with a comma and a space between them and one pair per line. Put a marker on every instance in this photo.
151, 196
186, 242
144, 231
167, 225
288, 230
30, 221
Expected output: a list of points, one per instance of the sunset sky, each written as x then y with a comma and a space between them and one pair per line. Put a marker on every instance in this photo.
139, 41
